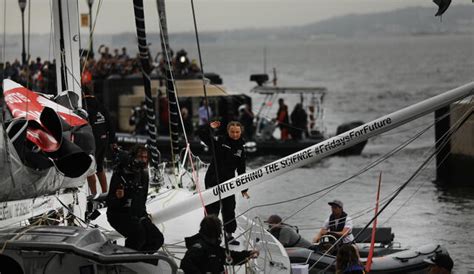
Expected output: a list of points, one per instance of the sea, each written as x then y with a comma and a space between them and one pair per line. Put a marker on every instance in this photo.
366, 78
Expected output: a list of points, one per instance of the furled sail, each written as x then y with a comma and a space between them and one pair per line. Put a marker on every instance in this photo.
48, 145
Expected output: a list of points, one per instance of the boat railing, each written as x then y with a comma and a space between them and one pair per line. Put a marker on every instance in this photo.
164, 257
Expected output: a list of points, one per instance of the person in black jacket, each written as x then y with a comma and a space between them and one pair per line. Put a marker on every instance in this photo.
205, 255
230, 157
246, 117
99, 119
126, 209
299, 122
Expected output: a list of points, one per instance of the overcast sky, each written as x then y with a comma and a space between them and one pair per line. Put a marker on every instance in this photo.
116, 16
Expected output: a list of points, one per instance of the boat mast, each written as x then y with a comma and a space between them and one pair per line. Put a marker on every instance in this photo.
172, 100
146, 69
66, 43
314, 153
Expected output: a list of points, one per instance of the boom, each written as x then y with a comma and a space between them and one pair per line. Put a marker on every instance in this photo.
314, 153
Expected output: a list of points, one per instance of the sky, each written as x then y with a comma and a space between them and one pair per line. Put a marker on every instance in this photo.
116, 16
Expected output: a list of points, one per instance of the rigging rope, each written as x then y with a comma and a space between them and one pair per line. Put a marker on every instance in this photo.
91, 34
444, 140
174, 114
445, 136
206, 106
150, 107
364, 169
7, 159
172, 90
28, 56
173, 93
51, 33
334, 186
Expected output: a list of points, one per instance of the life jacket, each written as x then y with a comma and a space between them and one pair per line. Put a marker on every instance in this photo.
341, 222
86, 77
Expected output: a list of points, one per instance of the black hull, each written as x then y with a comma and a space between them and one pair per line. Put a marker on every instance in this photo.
387, 261
253, 149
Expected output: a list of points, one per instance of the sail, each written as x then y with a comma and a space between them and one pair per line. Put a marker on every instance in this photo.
37, 153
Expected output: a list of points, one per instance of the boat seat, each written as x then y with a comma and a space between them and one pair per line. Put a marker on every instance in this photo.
383, 235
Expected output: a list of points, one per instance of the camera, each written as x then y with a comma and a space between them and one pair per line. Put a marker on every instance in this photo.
121, 158
124, 160
130, 186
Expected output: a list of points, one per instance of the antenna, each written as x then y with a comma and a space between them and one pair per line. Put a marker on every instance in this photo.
265, 59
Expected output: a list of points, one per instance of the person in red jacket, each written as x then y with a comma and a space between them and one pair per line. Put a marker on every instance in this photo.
283, 119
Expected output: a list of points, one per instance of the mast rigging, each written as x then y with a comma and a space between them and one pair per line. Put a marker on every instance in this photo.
149, 103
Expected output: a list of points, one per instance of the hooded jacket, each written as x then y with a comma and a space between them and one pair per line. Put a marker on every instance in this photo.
135, 184
99, 119
230, 157
205, 255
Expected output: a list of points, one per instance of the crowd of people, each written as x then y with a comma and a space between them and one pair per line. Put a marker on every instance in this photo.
40, 75
37, 74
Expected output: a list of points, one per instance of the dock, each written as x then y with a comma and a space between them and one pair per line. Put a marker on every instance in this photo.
455, 161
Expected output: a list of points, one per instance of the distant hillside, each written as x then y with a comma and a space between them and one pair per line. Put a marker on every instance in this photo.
408, 21
411, 21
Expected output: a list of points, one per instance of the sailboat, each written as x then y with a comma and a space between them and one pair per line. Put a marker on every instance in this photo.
45, 144
45, 149
46, 238
177, 211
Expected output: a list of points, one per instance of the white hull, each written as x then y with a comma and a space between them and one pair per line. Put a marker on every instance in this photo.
273, 258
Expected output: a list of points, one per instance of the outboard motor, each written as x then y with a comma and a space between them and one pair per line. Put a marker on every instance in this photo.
355, 149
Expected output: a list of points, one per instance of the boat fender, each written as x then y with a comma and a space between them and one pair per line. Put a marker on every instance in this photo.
250, 147
416, 253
